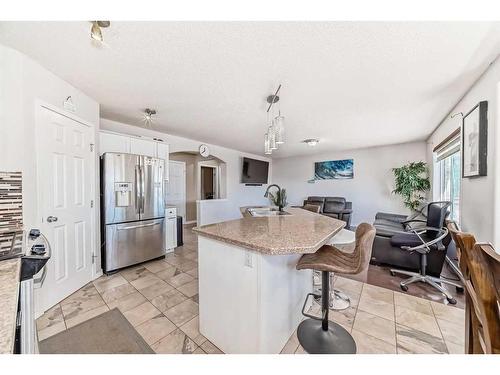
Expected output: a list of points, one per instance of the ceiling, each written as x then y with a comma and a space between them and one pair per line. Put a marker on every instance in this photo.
349, 84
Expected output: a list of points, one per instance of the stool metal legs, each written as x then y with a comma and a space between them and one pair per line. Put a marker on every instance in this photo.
319, 335
338, 299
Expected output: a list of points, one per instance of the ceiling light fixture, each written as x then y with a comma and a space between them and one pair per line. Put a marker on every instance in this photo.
311, 142
275, 135
148, 116
95, 30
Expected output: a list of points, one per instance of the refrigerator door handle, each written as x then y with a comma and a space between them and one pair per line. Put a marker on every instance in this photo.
142, 190
137, 189
139, 226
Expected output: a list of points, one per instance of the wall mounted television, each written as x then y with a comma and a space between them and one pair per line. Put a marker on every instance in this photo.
254, 172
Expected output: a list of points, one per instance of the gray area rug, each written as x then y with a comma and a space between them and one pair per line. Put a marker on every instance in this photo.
108, 333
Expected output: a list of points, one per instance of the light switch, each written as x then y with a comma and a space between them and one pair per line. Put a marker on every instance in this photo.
248, 259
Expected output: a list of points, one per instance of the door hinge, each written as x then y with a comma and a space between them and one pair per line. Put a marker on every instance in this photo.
91, 147
92, 203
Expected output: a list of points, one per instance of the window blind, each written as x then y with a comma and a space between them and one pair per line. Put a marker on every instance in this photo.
449, 148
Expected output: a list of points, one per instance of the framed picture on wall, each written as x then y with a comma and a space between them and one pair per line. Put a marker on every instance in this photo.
474, 141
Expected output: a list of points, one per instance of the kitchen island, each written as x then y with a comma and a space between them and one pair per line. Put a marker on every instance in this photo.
250, 293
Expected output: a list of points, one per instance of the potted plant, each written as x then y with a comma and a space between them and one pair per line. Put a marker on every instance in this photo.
279, 198
412, 182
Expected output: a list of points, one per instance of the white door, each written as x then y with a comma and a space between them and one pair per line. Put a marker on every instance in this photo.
66, 188
176, 187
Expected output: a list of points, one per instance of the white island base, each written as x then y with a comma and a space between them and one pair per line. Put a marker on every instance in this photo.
249, 302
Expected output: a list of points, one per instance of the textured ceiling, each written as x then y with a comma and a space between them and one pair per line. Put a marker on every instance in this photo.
350, 84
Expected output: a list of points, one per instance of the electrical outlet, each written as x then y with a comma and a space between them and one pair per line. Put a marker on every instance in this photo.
248, 259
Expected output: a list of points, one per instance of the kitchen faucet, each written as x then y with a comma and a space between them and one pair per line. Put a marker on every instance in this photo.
280, 201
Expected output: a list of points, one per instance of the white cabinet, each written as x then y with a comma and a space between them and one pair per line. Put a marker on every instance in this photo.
109, 142
113, 142
162, 153
142, 147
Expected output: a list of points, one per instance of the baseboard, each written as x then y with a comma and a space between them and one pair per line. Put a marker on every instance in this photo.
190, 222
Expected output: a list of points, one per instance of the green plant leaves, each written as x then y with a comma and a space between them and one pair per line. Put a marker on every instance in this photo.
412, 182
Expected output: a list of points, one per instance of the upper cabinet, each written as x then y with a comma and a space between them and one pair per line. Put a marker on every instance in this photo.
142, 147
110, 142
113, 142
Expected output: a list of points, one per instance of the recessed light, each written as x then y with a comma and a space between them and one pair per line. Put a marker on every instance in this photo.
311, 142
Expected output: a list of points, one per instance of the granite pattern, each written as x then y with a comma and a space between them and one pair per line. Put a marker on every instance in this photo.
300, 232
9, 291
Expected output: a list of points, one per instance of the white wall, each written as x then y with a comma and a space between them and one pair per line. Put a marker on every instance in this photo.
369, 190
22, 83
479, 200
237, 193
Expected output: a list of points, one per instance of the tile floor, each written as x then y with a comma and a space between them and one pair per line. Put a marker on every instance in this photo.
160, 299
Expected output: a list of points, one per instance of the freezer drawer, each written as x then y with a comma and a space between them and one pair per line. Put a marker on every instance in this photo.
131, 243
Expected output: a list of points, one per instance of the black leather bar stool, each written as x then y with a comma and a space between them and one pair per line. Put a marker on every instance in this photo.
318, 335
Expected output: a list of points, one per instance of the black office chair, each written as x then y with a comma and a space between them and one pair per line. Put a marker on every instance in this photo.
423, 240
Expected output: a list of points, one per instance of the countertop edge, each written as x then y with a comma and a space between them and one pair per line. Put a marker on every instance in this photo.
8, 310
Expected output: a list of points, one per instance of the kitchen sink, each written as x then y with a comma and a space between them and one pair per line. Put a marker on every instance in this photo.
266, 211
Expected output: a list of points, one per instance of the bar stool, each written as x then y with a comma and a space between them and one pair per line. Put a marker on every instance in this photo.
318, 335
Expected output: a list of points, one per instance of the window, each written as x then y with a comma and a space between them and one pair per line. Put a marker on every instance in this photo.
449, 173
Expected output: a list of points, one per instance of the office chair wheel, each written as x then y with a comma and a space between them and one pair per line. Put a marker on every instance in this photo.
452, 301
459, 289
404, 288
392, 273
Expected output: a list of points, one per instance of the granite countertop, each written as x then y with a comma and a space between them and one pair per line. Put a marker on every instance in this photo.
300, 232
9, 292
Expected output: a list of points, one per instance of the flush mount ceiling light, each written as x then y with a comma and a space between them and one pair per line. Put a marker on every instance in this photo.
311, 142
95, 30
148, 116
275, 135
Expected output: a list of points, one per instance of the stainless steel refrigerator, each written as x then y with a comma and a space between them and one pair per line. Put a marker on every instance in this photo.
132, 209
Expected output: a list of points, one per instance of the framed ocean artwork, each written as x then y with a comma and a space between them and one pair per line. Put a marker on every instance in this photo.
334, 169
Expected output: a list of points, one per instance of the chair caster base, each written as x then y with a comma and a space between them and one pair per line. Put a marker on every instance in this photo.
459, 290
452, 301
392, 273
314, 340
403, 288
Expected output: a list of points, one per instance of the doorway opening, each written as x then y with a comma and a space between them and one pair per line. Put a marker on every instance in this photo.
208, 185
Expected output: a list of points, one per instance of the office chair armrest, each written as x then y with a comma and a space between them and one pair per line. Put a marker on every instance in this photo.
425, 245
413, 221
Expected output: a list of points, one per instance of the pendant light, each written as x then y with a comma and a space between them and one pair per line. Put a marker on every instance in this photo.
267, 149
279, 128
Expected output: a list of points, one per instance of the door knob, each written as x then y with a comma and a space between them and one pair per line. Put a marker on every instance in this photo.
51, 219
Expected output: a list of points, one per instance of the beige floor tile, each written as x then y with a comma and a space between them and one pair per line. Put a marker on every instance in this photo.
376, 307
190, 289
141, 313
51, 330
454, 348
182, 313
117, 293
154, 290
85, 293
366, 344
417, 321
109, 282
343, 317
168, 273
300, 350
81, 305
180, 279
411, 341
377, 293
51, 317
449, 313
452, 332
348, 286
291, 345
128, 302
193, 272
210, 348
144, 282
155, 329
187, 266
375, 326
134, 273
176, 342
176, 260
191, 255
167, 300
199, 351
157, 265
80, 318
192, 329
413, 303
